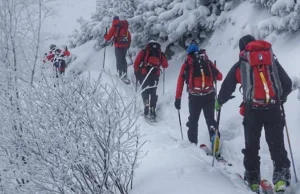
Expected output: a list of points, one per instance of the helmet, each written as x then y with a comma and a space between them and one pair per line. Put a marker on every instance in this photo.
52, 46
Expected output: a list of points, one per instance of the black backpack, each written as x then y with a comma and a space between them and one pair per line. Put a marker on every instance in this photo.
152, 57
201, 67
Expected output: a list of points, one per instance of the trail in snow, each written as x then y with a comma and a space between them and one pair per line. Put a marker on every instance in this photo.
175, 166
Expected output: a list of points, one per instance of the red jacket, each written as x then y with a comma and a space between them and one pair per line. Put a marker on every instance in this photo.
140, 59
196, 81
113, 33
51, 55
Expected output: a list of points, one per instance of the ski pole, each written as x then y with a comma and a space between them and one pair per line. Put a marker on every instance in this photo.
215, 80
180, 124
289, 142
136, 84
104, 49
217, 136
163, 80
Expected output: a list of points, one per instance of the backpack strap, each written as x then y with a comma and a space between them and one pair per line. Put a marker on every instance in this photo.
118, 27
263, 79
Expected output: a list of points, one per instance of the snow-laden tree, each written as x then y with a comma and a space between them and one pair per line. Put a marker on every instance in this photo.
100, 21
286, 16
77, 137
176, 22
169, 20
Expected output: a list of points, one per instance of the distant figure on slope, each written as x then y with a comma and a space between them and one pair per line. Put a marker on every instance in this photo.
147, 70
67, 55
57, 57
199, 73
122, 40
265, 87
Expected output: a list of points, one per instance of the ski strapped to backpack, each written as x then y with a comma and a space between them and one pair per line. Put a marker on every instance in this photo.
259, 75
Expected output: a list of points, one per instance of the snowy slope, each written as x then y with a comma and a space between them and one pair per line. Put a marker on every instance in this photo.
173, 165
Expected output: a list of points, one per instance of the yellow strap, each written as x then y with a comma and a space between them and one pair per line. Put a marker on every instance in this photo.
203, 78
266, 88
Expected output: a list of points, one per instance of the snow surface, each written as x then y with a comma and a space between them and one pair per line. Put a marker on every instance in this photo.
172, 165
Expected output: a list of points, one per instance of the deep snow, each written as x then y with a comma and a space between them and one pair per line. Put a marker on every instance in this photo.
173, 165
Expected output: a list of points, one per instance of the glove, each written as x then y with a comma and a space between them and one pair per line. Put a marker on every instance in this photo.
217, 105
242, 109
177, 104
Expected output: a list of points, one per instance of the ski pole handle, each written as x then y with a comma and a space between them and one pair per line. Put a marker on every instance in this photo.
163, 80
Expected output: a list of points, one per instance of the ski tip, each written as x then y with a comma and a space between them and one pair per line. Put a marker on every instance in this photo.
264, 181
202, 145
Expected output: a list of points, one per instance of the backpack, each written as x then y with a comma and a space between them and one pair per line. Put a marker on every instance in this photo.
200, 68
152, 57
122, 33
259, 75
59, 61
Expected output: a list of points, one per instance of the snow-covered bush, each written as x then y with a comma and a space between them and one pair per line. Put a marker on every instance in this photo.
77, 137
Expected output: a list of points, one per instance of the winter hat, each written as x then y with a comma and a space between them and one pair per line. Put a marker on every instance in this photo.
116, 18
245, 40
192, 48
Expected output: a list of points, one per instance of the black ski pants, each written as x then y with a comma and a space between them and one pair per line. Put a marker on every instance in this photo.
196, 104
273, 123
152, 82
121, 60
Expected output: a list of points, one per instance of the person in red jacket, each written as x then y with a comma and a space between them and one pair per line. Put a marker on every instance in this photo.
199, 73
147, 70
50, 56
53, 49
57, 57
122, 40
265, 86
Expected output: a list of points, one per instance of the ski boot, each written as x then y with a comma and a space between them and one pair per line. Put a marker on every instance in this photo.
125, 79
152, 114
253, 180
146, 108
281, 179
255, 188
280, 186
